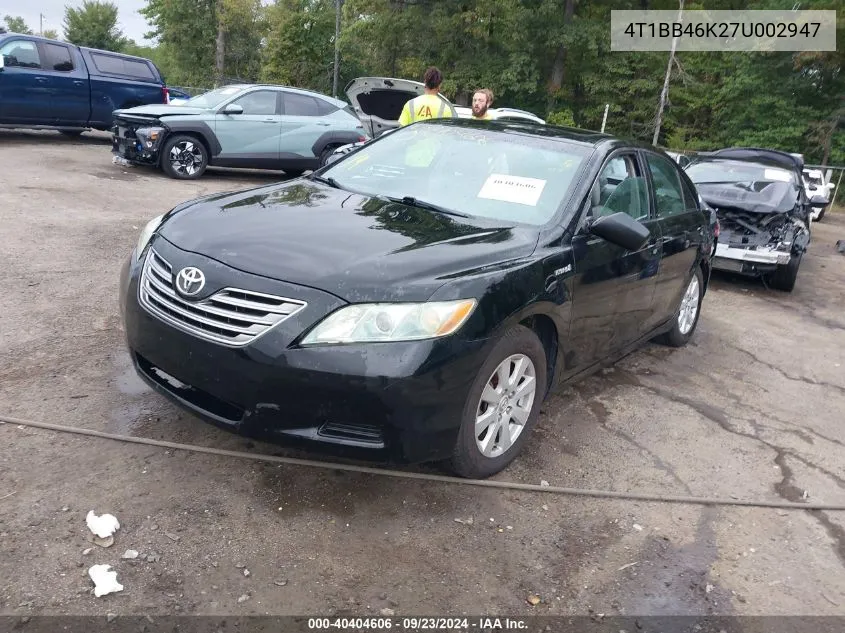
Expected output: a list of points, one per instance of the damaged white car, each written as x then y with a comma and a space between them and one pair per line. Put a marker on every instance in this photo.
763, 211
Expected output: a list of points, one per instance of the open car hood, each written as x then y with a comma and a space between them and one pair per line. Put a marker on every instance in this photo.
755, 197
378, 101
159, 111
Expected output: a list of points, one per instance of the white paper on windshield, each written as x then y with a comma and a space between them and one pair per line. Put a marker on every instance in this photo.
516, 189
777, 174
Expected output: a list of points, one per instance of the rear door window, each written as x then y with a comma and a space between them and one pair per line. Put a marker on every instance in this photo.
300, 105
668, 193
21, 54
58, 58
114, 65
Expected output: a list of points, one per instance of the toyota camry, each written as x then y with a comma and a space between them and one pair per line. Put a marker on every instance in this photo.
418, 299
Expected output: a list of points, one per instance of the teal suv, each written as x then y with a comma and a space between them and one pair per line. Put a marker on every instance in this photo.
251, 126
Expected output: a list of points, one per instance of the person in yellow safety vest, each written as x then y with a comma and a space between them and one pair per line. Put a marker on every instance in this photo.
481, 102
429, 105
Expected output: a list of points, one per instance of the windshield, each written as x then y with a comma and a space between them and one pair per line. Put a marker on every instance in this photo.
214, 98
477, 171
720, 171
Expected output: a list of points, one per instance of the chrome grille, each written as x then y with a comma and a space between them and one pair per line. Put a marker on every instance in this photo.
230, 316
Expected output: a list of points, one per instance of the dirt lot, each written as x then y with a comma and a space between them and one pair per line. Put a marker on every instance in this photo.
753, 408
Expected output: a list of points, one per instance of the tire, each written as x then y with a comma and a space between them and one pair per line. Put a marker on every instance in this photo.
294, 173
71, 133
184, 157
519, 348
785, 276
686, 316
324, 155
821, 215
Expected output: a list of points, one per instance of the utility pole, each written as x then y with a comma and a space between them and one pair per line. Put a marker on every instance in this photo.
41, 24
665, 92
336, 48
604, 120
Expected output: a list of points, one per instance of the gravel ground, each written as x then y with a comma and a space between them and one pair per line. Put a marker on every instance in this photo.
752, 408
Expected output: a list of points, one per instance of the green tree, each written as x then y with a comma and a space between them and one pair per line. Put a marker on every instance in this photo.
188, 30
16, 24
94, 24
300, 44
51, 34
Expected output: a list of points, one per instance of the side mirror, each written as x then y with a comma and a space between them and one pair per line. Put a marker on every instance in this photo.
620, 229
233, 108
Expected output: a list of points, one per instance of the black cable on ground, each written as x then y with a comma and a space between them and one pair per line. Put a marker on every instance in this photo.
484, 483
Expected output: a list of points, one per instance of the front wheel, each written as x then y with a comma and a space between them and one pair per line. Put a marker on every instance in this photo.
184, 157
821, 215
689, 309
786, 275
502, 406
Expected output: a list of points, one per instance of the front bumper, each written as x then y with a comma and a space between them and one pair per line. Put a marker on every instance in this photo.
127, 145
382, 402
748, 261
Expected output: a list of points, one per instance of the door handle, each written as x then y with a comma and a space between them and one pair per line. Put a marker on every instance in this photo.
78, 82
41, 80
269, 121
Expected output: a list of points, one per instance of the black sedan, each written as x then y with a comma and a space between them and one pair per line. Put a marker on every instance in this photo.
418, 299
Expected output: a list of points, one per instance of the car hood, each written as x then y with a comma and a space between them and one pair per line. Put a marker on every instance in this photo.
383, 98
356, 247
159, 111
754, 197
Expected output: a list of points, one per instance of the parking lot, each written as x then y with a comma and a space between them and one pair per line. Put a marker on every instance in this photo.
753, 408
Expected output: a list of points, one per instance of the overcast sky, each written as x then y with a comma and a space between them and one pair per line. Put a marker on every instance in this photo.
129, 20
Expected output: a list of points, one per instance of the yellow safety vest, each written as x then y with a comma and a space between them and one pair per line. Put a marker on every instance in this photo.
424, 107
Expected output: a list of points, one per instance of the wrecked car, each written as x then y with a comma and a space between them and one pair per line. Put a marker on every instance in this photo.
249, 126
763, 211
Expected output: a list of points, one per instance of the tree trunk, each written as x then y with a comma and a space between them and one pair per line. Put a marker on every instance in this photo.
559, 68
221, 53
837, 119
664, 94
220, 56
336, 48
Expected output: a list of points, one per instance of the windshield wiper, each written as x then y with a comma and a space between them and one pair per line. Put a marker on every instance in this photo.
422, 204
331, 182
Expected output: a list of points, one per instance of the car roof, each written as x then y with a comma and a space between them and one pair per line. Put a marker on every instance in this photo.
760, 155
302, 91
572, 134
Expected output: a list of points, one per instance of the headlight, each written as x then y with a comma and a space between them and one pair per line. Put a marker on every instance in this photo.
369, 323
149, 136
147, 234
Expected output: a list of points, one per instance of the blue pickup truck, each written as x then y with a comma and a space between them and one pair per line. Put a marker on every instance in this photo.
51, 84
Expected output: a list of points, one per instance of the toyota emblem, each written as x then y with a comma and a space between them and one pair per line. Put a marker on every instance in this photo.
190, 281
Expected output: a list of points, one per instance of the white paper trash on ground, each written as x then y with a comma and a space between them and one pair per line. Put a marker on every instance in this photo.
103, 526
105, 581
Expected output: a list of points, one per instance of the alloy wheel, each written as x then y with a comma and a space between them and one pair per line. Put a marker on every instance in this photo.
186, 158
689, 307
505, 405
